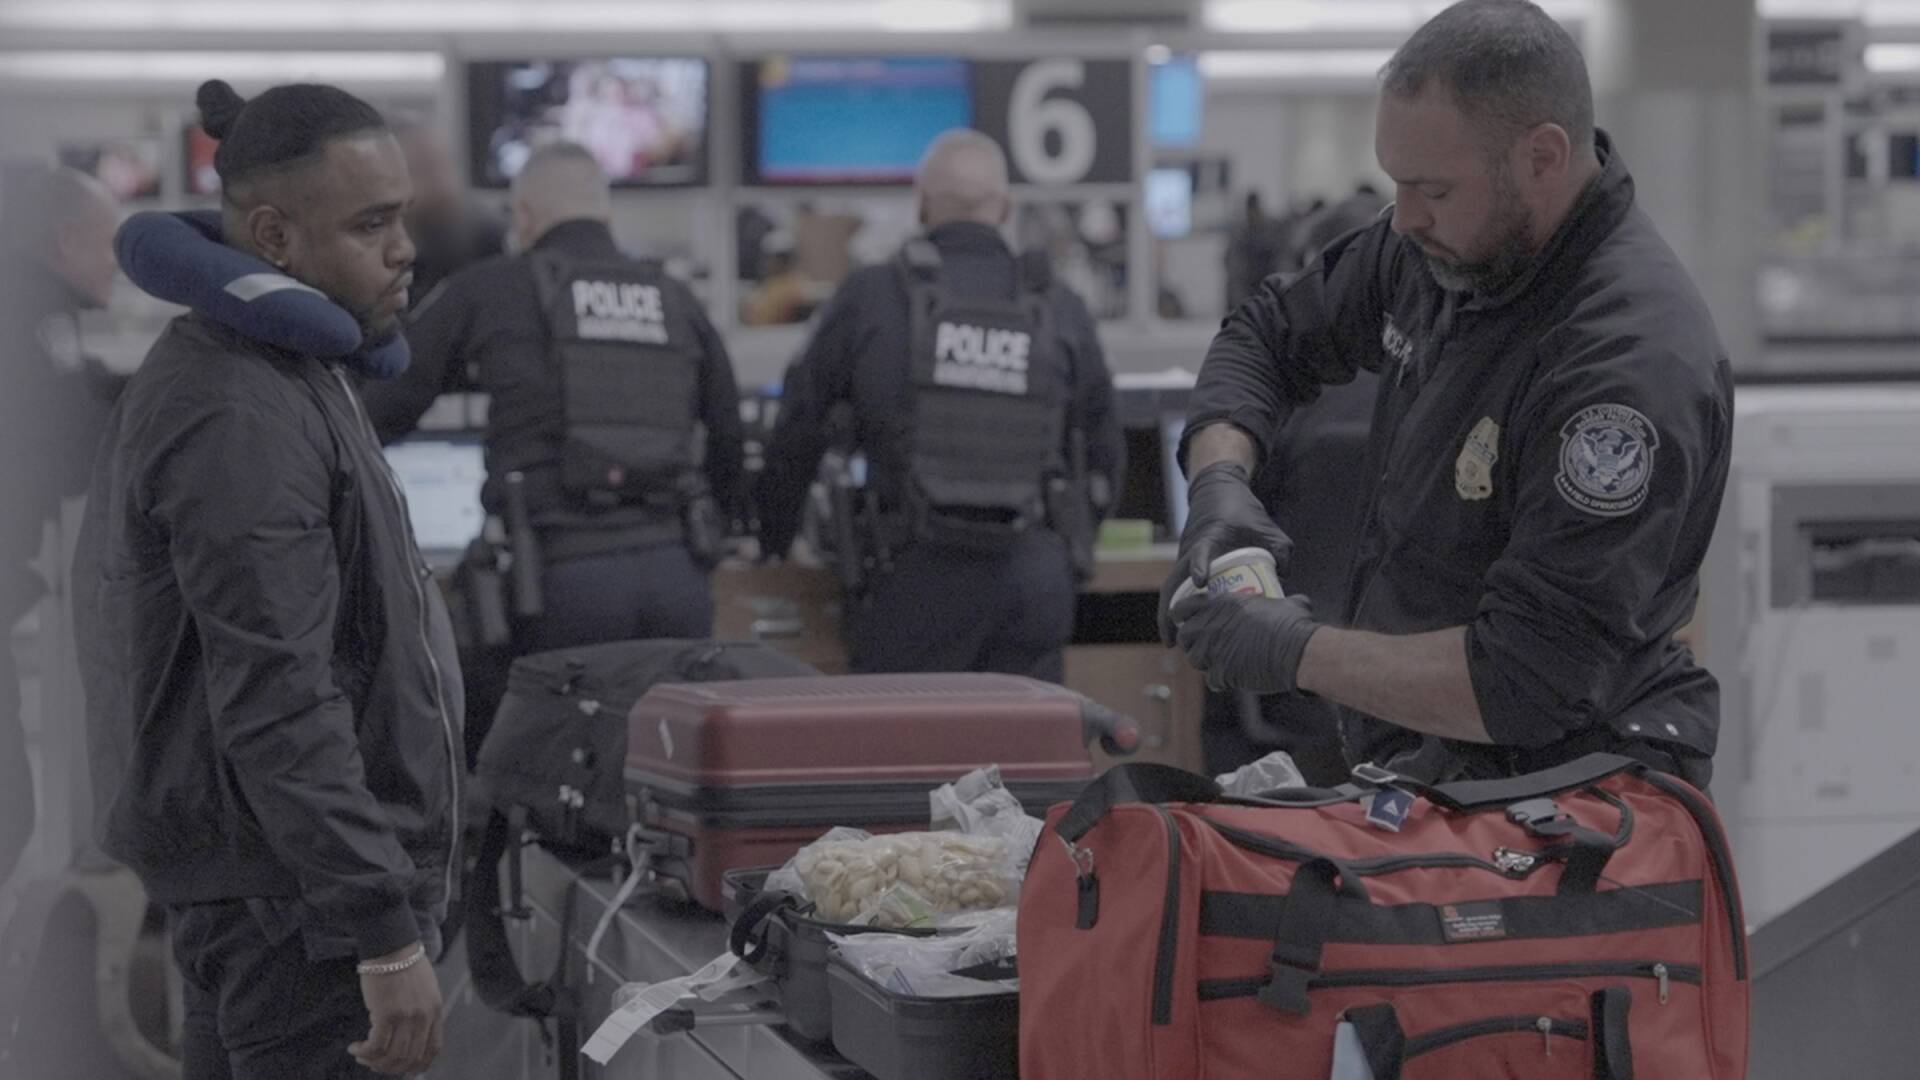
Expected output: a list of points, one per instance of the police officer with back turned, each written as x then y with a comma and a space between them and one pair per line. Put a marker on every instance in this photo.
613, 439
978, 393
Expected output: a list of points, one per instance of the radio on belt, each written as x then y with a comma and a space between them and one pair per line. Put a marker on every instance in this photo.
1245, 571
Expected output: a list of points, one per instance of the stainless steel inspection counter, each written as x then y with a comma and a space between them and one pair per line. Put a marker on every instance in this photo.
649, 941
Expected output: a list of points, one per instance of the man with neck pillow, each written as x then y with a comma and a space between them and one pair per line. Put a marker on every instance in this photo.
271, 680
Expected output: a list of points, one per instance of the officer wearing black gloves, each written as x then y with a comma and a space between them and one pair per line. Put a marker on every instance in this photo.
612, 399
1549, 448
980, 397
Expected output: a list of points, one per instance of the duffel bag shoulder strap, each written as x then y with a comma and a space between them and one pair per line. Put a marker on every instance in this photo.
1486, 794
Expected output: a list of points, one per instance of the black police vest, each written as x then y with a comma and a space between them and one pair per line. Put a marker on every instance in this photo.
989, 398
628, 363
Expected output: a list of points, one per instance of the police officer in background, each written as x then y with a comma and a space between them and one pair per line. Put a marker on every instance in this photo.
1549, 449
614, 427
979, 395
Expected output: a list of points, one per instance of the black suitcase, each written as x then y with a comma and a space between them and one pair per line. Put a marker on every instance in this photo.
551, 766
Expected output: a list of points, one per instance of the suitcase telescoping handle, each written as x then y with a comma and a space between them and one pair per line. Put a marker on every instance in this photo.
1119, 735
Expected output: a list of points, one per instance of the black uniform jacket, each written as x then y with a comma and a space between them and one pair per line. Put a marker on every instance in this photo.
272, 693
860, 354
483, 330
1546, 467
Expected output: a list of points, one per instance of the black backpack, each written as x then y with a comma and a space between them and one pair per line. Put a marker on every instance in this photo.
552, 768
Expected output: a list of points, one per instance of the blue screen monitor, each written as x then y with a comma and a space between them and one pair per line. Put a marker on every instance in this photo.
849, 119
1176, 103
442, 479
1169, 202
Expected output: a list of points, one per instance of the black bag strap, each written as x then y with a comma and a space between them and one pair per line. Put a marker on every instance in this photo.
1612, 1044
1148, 782
1381, 1038
748, 937
1304, 925
496, 974
1483, 794
1585, 853
1137, 781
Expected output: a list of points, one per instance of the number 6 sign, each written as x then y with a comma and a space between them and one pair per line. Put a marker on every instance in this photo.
1062, 120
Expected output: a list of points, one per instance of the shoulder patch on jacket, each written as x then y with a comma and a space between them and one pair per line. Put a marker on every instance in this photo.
1606, 459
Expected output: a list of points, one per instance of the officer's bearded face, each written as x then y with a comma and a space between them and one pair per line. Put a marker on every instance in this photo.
1455, 199
338, 224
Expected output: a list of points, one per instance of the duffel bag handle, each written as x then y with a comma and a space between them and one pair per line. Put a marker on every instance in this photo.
1486, 794
1384, 1043
1138, 781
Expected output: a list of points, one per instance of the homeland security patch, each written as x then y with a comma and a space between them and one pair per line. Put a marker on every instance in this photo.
1606, 460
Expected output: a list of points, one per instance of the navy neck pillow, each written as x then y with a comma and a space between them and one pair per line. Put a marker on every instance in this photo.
180, 258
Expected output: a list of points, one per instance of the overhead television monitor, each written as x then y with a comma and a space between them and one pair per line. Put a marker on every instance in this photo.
848, 119
129, 167
1176, 103
643, 118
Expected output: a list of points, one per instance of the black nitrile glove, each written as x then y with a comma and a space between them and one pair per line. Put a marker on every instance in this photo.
1250, 643
1222, 515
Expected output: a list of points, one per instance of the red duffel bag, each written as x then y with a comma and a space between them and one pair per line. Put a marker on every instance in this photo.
1572, 924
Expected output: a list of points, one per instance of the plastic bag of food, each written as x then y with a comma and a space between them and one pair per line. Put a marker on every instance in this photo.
904, 879
978, 961
978, 804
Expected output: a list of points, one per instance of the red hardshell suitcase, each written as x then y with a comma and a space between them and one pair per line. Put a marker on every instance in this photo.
739, 774
1574, 924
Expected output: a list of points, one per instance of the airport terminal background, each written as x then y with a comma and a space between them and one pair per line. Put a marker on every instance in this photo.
1165, 154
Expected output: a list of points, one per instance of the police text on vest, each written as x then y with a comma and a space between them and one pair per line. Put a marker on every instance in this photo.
619, 311
981, 358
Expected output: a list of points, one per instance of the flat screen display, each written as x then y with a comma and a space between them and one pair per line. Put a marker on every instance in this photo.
442, 479
130, 167
1169, 202
849, 120
643, 118
1176, 103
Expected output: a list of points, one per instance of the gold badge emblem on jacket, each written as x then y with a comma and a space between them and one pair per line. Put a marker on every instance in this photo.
1473, 469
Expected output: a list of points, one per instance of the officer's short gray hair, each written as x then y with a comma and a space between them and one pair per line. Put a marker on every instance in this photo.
1507, 65
963, 177
563, 179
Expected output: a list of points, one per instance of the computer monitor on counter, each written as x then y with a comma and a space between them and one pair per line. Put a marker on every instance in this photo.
441, 477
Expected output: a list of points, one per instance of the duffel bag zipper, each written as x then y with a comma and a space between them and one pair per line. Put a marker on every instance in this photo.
1507, 862
1164, 954
1662, 973
1281, 849
1716, 842
1549, 1028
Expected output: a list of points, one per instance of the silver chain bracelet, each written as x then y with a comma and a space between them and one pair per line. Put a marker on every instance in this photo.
395, 967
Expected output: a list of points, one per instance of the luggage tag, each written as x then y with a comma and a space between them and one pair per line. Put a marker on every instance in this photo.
1349, 1057
1388, 808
